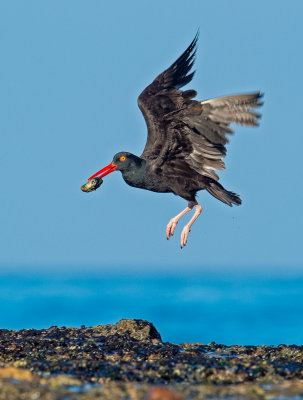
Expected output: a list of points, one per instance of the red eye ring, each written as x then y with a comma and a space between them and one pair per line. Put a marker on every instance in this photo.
122, 158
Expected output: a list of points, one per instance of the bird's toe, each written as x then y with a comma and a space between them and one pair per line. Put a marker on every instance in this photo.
170, 229
184, 235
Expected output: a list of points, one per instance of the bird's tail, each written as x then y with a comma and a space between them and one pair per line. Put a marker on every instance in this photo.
218, 191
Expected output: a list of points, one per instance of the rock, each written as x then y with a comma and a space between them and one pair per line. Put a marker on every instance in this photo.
137, 329
129, 360
16, 373
162, 393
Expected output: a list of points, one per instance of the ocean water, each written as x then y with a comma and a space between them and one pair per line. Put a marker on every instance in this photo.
229, 307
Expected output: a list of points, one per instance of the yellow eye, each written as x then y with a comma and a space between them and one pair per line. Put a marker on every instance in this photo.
122, 158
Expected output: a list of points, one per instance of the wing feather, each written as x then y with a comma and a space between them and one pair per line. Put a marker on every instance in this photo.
163, 96
205, 128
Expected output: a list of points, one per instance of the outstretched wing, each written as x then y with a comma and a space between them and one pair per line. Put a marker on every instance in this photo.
163, 96
197, 134
185, 134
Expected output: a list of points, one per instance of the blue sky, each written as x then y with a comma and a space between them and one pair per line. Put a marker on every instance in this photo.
71, 73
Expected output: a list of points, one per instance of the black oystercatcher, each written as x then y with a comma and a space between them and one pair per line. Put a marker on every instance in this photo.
186, 140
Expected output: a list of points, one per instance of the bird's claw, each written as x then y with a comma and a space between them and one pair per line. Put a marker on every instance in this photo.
184, 235
170, 229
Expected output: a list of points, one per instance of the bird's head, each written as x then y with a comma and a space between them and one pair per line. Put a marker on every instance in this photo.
125, 161
122, 161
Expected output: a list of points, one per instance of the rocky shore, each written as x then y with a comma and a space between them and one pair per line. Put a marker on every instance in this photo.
129, 360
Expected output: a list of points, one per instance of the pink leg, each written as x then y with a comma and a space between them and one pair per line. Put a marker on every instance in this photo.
170, 229
186, 229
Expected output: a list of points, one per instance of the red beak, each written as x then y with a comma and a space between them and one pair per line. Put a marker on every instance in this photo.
104, 171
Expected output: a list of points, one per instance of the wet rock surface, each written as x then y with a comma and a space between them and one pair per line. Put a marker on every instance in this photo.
129, 360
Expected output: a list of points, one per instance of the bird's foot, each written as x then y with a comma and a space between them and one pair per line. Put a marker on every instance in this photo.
171, 226
184, 235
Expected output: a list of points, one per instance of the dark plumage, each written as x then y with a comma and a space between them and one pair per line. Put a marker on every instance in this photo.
186, 139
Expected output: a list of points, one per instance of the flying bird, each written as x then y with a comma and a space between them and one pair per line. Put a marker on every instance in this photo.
186, 140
